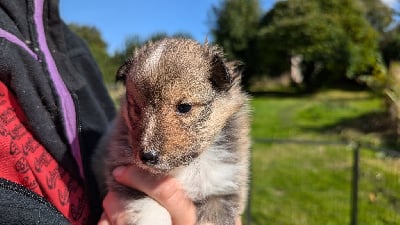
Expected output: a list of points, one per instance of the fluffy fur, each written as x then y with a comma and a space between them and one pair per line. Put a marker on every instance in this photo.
185, 115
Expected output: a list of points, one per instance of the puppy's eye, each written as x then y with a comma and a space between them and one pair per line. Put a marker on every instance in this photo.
184, 108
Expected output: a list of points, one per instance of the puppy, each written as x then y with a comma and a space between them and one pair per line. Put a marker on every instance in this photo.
184, 115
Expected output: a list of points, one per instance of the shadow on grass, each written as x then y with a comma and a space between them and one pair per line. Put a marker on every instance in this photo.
296, 94
374, 122
279, 94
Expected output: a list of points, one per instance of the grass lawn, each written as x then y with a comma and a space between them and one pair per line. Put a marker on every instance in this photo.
309, 184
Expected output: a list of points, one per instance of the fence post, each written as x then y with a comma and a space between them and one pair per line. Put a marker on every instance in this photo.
354, 185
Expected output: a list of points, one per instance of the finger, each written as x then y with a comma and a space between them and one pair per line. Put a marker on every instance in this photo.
165, 190
114, 209
171, 195
103, 220
238, 221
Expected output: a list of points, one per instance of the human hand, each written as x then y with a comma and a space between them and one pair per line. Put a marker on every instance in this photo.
165, 190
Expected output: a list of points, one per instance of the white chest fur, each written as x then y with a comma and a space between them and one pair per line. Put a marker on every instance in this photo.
212, 173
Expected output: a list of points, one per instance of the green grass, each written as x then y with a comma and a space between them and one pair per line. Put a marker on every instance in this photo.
304, 184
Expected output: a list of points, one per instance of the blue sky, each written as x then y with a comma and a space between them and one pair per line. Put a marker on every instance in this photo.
120, 19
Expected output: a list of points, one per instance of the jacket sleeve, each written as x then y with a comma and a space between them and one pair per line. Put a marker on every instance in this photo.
19, 205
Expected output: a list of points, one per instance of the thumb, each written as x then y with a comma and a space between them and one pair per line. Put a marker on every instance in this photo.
165, 190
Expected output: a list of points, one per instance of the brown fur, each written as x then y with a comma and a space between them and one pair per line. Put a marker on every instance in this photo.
159, 78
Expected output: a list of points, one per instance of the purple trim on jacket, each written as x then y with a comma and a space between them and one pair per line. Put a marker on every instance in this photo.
67, 104
12, 38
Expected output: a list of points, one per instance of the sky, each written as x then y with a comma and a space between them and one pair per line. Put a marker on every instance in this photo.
119, 19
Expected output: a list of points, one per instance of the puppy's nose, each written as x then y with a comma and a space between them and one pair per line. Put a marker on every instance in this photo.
150, 157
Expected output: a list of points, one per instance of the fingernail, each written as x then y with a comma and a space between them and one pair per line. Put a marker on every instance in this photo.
118, 171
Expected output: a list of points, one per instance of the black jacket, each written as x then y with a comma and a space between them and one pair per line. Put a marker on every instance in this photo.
24, 70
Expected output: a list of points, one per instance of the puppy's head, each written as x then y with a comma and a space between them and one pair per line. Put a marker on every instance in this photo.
180, 95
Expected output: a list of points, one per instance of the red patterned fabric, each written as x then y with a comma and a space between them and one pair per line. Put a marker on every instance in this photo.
23, 160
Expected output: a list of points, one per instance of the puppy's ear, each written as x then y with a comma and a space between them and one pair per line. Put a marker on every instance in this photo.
220, 75
224, 74
122, 73
235, 69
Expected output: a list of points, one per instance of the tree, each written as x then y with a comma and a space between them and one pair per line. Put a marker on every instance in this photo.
234, 25
378, 14
390, 45
333, 37
98, 48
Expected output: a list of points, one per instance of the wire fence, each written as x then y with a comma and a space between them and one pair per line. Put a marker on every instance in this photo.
358, 168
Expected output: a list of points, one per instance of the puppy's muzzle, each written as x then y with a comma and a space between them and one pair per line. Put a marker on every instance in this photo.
150, 158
